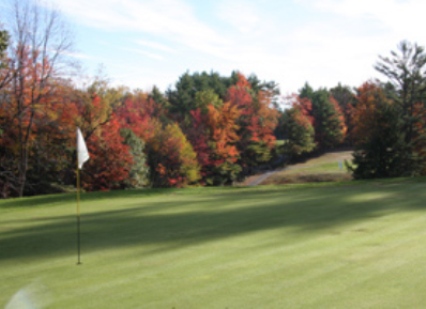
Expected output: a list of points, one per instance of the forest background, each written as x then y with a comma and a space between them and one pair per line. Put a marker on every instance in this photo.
208, 129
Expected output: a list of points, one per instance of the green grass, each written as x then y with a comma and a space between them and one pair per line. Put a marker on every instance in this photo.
352, 245
327, 163
329, 167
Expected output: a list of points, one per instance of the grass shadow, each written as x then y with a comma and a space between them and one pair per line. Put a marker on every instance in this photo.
193, 218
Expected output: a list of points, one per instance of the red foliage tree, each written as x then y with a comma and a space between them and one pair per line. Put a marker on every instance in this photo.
257, 122
363, 115
199, 138
110, 159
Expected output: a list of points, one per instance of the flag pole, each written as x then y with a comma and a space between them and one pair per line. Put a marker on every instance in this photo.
82, 156
78, 215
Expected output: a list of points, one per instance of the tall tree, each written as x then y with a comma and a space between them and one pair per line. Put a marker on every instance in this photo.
53, 144
329, 123
183, 98
257, 121
4, 74
269, 87
380, 150
298, 128
4, 41
139, 172
223, 127
111, 159
345, 97
38, 44
406, 70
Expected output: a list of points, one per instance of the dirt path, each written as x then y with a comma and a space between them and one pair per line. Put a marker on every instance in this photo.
256, 180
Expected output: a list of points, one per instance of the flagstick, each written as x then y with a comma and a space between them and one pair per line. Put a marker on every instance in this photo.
82, 156
78, 215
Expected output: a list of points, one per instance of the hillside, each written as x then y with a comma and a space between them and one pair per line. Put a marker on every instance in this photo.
328, 167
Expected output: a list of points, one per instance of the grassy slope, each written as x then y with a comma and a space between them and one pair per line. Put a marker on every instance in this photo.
328, 167
358, 245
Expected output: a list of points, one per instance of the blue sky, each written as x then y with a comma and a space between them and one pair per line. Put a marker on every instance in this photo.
141, 43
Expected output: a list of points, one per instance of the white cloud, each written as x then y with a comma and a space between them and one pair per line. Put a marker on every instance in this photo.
404, 19
240, 14
155, 45
143, 53
172, 20
175, 23
319, 41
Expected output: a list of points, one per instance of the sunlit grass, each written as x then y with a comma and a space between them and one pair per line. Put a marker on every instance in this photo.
329, 167
354, 245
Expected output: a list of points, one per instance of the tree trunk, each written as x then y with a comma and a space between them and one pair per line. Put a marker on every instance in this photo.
22, 177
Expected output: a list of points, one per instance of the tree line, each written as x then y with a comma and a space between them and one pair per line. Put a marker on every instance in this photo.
207, 130
384, 122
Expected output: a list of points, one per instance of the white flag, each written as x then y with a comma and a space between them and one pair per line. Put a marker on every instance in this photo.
82, 153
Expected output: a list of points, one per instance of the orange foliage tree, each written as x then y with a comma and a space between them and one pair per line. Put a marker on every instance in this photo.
256, 122
379, 145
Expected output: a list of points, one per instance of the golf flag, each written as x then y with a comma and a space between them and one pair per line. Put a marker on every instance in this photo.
82, 153
82, 156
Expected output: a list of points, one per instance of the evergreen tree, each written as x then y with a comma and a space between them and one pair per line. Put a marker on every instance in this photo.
299, 131
183, 99
405, 69
329, 124
139, 172
4, 41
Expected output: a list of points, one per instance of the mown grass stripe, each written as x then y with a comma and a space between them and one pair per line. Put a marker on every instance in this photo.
311, 246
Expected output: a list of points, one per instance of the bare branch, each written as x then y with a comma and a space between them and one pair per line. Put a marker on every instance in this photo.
38, 44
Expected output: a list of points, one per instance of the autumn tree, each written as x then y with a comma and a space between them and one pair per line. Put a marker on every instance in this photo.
223, 130
97, 103
199, 135
183, 98
262, 125
269, 87
111, 159
380, 150
53, 143
298, 128
329, 124
171, 157
38, 43
345, 97
257, 122
136, 114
